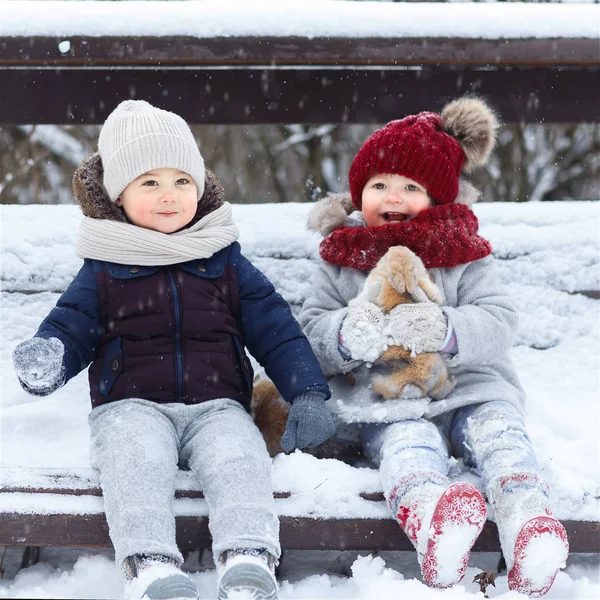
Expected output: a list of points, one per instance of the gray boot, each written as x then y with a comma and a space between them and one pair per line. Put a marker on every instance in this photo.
173, 587
157, 577
247, 574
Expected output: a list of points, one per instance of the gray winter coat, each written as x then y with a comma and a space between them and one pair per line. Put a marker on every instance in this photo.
484, 320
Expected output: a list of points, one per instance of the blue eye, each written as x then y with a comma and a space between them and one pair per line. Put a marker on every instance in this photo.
412, 188
379, 186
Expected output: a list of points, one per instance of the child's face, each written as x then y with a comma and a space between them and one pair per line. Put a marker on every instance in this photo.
164, 200
390, 198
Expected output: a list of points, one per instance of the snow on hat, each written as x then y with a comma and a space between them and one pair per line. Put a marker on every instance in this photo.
138, 137
428, 148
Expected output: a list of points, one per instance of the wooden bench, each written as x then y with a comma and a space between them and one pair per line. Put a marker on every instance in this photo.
339, 67
89, 528
70, 77
53, 505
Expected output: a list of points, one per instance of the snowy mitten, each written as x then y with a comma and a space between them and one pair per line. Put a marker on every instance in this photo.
362, 332
309, 423
39, 365
418, 327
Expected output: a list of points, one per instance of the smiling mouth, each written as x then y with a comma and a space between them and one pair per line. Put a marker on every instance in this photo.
394, 217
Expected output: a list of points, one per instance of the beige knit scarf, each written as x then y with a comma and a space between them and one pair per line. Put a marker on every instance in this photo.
127, 244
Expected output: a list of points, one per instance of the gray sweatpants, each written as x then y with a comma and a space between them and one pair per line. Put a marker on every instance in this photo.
137, 446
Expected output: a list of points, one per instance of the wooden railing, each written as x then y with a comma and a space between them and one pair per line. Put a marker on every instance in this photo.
80, 79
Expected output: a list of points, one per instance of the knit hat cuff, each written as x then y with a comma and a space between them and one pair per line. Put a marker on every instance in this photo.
152, 151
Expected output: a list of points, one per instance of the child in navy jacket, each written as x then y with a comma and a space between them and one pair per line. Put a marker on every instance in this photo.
162, 309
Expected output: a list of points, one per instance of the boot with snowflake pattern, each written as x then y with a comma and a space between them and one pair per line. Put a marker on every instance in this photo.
457, 521
442, 521
534, 543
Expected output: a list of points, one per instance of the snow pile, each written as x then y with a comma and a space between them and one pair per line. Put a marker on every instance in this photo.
309, 19
98, 577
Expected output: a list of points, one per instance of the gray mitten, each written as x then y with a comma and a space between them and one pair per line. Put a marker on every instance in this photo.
39, 365
362, 332
418, 327
309, 423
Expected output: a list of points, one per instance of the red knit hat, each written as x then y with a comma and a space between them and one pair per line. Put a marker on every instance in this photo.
416, 147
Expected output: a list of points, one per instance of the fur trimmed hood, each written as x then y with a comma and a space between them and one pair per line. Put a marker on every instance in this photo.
337, 210
90, 194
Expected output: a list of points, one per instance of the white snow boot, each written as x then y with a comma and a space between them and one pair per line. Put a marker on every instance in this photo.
156, 577
246, 575
534, 543
443, 525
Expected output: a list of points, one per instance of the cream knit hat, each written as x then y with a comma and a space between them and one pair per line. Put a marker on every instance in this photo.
137, 137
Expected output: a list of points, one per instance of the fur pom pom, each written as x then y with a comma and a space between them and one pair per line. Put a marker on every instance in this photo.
472, 122
330, 213
467, 193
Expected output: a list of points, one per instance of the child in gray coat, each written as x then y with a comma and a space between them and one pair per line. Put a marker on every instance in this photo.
405, 183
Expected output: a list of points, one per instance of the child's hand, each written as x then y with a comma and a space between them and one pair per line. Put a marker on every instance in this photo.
309, 423
39, 365
418, 327
362, 332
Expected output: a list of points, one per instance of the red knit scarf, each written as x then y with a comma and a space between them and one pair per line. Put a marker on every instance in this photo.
442, 236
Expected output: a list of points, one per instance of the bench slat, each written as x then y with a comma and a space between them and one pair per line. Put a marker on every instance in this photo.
286, 95
286, 50
96, 491
297, 533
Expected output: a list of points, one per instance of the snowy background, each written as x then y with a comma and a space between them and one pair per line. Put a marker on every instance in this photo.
546, 252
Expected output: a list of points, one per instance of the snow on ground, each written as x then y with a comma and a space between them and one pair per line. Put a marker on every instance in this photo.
303, 576
546, 251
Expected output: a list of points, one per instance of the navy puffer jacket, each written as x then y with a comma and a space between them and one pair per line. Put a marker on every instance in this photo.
177, 333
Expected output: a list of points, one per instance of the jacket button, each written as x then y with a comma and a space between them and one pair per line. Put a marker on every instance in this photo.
134, 269
114, 364
201, 267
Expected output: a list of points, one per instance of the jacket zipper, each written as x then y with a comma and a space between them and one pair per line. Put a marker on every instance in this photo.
178, 353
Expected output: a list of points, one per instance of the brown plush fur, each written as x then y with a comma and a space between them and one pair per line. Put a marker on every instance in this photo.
330, 213
472, 122
399, 278
91, 196
270, 413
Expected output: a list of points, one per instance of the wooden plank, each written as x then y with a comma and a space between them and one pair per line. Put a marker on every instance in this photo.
264, 50
286, 95
96, 491
589, 293
297, 533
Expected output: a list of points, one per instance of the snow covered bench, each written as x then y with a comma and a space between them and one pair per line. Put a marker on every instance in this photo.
276, 63
549, 259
